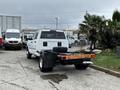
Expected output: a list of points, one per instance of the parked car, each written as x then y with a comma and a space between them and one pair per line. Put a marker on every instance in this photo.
83, 40
26, 37
76, 41
27, 34
12, 39
71, 41
1, 39
51, 46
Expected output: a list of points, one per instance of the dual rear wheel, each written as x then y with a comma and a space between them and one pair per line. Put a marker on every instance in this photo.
42, 67
47, 61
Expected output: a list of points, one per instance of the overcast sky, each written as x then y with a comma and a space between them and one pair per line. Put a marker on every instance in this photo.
42, 13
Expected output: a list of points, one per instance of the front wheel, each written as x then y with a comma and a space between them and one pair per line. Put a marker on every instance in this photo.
81, 66
6, 48
29, 55
20, 48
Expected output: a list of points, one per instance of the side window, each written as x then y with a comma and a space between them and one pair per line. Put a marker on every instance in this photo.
36, 35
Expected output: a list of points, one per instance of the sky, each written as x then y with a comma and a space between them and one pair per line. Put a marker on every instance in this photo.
42, 13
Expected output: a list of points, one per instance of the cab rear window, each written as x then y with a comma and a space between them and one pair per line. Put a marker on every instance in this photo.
52, 35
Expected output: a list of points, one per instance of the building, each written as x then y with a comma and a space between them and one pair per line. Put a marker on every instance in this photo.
10, 22
73, 33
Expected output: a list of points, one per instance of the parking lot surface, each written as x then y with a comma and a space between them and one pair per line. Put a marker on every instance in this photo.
19, 73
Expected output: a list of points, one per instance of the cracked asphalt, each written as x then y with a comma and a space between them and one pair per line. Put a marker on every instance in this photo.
19, 73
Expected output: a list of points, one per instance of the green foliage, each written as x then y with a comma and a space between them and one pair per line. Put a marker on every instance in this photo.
107, 39
116, 16
108, 31
93, 20
105, 29
116, 20
108, 60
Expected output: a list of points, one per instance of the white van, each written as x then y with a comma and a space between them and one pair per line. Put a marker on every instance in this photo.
12, 39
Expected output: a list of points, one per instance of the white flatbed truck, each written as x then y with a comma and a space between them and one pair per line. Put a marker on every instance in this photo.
51, 46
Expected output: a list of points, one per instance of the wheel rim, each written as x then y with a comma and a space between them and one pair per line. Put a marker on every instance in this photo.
41, 63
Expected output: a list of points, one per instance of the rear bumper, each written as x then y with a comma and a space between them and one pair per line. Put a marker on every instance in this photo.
74, 58
77, 61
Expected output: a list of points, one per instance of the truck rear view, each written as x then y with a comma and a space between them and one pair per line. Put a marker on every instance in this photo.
51, 46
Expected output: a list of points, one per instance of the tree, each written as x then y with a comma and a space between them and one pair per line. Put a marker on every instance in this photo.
103, 27
91, 21
116, 20
116, 16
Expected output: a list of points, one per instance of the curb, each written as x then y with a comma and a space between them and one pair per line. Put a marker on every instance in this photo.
108, 71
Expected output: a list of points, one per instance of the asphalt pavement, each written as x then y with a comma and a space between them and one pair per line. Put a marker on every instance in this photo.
19, 73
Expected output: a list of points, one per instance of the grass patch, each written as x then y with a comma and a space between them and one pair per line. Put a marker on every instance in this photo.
108, 60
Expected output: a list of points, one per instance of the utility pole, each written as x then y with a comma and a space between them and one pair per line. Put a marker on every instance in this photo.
68, 26
56, 18
86, 12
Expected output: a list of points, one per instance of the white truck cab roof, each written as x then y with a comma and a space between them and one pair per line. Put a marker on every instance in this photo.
51, 30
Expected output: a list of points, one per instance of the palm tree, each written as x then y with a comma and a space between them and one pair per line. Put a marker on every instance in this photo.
101, 27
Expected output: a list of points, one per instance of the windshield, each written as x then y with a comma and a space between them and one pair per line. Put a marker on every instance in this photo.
12, 35
52, 35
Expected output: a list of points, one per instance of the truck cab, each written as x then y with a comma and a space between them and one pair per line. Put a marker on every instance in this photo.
46, 40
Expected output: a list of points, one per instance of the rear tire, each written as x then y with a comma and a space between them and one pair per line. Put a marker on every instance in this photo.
47, 61
81, 66
41, 66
